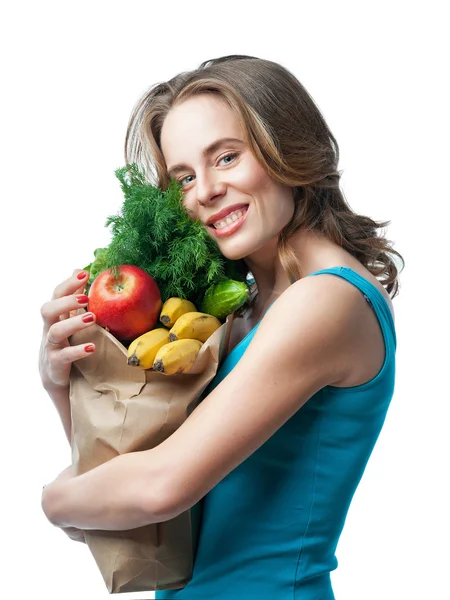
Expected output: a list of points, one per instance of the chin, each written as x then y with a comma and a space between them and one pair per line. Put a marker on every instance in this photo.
234, 254
238, 250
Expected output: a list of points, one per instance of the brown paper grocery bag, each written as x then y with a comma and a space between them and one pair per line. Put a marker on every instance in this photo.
117, 409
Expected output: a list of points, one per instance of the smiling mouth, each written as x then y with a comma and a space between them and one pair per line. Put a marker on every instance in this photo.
229, 219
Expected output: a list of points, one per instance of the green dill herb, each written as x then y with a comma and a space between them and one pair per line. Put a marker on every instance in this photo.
153, 231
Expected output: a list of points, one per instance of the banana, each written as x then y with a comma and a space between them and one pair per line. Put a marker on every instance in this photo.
142, 350
194, 325
173, 309
177, 357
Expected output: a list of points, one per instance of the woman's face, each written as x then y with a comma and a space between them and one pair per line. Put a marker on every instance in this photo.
224, 185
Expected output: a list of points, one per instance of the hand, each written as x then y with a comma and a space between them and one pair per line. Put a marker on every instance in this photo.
61, 320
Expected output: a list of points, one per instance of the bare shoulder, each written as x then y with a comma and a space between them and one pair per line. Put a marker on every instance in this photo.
353, 323
326, 297
318, 319
330, 315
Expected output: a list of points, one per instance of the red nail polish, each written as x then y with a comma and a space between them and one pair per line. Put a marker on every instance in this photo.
89, 348
81, 275
88, 318
82, 299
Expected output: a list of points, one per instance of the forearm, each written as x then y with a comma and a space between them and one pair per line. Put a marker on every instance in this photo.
60, 398
123, 493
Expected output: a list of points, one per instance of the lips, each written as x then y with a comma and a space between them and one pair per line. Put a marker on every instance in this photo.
225, 231
220, 216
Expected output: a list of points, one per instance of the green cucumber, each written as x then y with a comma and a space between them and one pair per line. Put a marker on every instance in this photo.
225, 298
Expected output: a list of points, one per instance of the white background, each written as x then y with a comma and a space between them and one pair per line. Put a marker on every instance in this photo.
71, 73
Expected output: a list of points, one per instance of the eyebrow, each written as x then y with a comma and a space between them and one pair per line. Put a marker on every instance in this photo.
206, 152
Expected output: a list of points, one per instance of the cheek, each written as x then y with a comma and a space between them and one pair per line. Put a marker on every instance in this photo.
191, 205
277, 202
258, 184
252, 177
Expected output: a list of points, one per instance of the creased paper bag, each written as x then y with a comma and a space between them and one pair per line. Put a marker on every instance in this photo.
117, 409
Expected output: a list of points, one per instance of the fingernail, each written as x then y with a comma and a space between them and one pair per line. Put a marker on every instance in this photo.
82, 299
88, 318
89, 348
81, 275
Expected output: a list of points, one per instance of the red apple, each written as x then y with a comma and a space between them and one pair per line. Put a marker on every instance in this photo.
128, 305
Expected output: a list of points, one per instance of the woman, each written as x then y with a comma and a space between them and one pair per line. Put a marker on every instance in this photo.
277, 447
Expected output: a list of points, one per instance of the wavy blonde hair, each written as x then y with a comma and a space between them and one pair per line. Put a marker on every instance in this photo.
290, 138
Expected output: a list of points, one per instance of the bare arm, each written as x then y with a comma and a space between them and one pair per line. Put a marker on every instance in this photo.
123, 493
60, 399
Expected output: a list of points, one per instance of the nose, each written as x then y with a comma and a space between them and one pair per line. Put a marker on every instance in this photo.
208, 188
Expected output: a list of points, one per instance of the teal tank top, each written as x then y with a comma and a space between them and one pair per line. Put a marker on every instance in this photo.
270, 528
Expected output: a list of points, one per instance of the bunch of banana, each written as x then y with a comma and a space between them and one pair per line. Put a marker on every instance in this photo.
173, 351
154, 350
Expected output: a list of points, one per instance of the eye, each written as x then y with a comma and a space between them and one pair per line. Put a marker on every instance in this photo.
229, 158
183, 180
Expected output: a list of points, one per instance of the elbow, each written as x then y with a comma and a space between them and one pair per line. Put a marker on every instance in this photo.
161, 504
163, 497
51, 504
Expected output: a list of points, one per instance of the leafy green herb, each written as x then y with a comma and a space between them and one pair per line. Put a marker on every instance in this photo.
97, 265
153, 231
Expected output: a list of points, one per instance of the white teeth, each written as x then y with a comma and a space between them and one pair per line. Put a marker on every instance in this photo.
231, 218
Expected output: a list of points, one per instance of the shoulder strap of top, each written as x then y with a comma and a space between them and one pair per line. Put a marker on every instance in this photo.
373, 296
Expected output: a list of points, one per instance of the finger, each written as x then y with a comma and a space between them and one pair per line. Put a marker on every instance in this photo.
70, 286
52, 311
63, 356
79, 292
60, 331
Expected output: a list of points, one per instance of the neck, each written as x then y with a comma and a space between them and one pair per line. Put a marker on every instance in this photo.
312, 250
